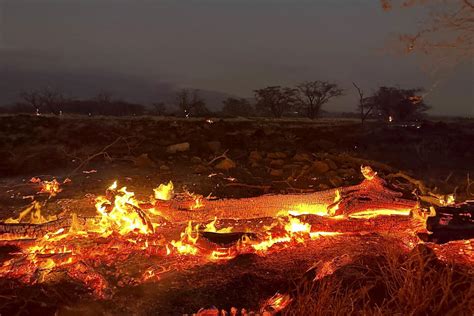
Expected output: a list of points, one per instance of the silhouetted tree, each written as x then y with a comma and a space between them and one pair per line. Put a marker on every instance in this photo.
159, 108
450, 30
32, 98
46, 100
364, 107
237, 107
191, 104
312, 95
103, 97
275, 100
396, 104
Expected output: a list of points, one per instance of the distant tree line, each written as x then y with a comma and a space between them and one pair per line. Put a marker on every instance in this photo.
306, 99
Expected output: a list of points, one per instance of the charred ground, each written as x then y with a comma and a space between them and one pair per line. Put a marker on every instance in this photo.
254, 157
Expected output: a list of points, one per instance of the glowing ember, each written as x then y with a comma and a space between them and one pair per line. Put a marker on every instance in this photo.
49, 187
124, 228
368, 173
296, 226
276, 303
379, 212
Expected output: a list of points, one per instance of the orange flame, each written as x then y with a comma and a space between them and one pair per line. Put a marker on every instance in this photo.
187, 242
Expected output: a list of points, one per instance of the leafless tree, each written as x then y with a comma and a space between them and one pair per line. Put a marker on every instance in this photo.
190, 103
364, 108
32, 98
52, 100
159, 108
45, 100
103, 97
448, 33
312, 95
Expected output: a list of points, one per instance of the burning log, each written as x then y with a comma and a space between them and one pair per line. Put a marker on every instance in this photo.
372, 195
452, 222
28, 230
370, 198
226, 239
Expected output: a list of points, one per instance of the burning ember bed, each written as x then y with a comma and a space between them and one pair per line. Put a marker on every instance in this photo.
179, 252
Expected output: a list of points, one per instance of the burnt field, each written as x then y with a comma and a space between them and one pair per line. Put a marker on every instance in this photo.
256, 207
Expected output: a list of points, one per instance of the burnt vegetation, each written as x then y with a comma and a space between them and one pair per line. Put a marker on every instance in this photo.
306, 99
273, 203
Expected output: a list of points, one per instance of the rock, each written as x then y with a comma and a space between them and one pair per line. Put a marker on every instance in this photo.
201, 169
143, 161
323, 186
196, 160
255, 156
331, 164
277, 163
276, 172
276, 155
301, 157
291, 166
331, 173
336, 181
214, 146
348, 173
255, 165
324, 144
181, 147
164, 168
320, 167
225, 164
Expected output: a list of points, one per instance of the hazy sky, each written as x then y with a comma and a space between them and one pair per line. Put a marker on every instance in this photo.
234, 46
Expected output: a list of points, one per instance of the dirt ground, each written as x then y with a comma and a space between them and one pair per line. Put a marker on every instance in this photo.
268, 155
219, 158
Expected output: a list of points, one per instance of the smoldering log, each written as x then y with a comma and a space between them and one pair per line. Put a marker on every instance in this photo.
226, 239
369, 195
28, 230
454, 222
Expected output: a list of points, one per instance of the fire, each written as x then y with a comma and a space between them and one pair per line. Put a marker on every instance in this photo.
296, 226
223, 254
125, 229
34, 210
211, 227
122, 213
415, 99
294, 231
164, 192
368, 173
276, 303
50, 187
198, 202
315, 209
187, 242
447, 200
374, 213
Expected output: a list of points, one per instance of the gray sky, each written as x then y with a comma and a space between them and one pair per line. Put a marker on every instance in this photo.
233, 46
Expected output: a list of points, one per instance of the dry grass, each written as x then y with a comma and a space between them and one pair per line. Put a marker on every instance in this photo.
390, 283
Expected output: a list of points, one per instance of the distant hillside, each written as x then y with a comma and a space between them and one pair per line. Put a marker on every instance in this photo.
85, 85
